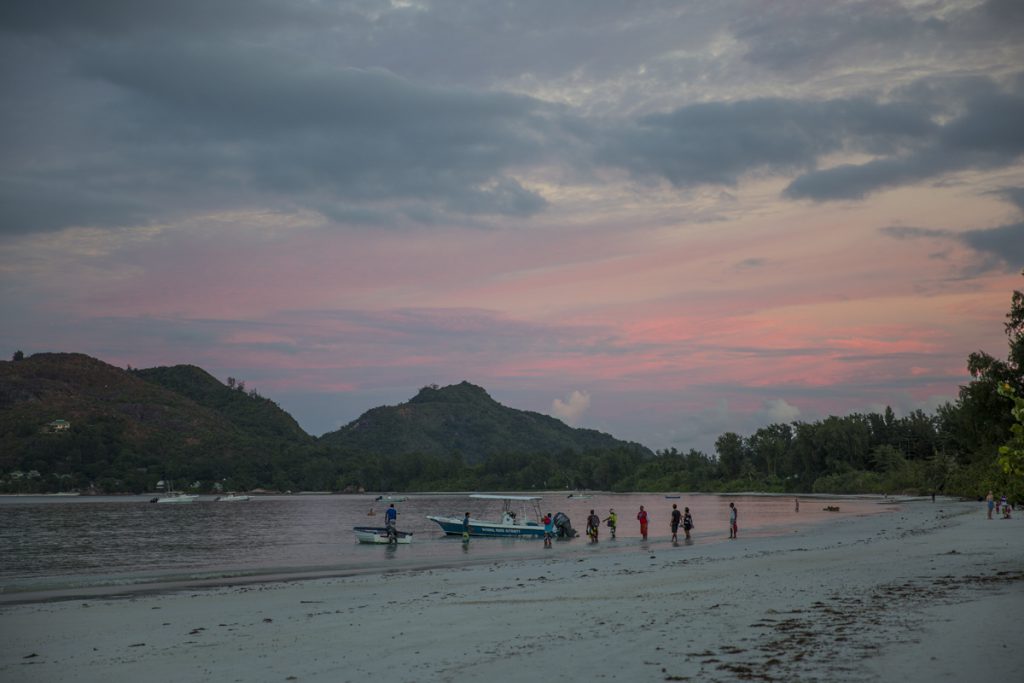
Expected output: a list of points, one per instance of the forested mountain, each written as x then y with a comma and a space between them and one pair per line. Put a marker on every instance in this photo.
464, 420
71, 422
248, 411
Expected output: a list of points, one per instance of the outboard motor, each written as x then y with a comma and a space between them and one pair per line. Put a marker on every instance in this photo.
563, 526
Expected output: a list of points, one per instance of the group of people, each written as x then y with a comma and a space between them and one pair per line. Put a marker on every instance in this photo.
677, 519
594, 524
998, 505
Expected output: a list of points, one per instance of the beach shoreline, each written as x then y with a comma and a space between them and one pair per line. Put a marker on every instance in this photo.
928, 592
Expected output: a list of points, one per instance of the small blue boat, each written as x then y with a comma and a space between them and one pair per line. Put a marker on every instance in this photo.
512, 525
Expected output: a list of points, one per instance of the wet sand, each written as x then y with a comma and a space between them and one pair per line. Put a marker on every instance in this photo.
928, 593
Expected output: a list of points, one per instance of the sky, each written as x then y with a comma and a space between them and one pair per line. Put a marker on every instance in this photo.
661, 220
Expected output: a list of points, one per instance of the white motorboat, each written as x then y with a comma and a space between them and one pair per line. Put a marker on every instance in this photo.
390, 499
233, 498
172, 496
511, 524
177, 497
379, 534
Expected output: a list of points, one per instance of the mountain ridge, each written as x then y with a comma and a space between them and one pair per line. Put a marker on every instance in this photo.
127, 428
464, 419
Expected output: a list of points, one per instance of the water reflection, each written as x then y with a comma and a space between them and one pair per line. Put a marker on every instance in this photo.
84, 537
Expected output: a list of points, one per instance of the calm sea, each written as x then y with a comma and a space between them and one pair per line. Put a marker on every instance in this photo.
52, 543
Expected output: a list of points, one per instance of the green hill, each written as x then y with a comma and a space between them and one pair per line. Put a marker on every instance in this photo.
127, 429
71, 422
463, 419
250, 412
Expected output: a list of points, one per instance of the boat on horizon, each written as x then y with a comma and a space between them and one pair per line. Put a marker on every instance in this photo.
176, 497
233, 498
172, 496
390, 499
512, 525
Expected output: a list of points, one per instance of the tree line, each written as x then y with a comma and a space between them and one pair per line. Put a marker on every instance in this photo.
967, 447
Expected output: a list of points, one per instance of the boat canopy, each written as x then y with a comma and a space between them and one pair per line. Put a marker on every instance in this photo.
489, 496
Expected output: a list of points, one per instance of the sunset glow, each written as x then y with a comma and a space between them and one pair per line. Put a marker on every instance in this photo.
663, 223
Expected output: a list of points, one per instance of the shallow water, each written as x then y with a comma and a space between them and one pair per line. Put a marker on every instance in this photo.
51, 543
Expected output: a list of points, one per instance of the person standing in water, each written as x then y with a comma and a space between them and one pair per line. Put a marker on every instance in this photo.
612, 521
677, 517
391, 523
465, 528
549, 529
593, 526
796, 503
687, 522
642, 518
991, 500
733, 528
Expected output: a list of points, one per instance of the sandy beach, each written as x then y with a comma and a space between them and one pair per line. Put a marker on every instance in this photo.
933, 592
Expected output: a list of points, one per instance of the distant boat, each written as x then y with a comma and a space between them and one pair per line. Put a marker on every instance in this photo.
672, 497
233, 498
379, 534
391, 499
173, 496
177, 497
511, 525
579, 495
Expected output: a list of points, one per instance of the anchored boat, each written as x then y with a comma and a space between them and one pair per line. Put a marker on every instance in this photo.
512, 523
379, 534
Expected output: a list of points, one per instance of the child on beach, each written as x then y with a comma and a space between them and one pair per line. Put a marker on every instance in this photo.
687, 522
677, 517
642, 518
465, 528
549, 529
733, 528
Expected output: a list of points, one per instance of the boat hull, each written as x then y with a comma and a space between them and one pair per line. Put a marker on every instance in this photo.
453, 527
233, 499
177, 500
374, 534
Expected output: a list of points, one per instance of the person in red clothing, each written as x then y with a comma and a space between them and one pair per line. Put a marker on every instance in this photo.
642, 516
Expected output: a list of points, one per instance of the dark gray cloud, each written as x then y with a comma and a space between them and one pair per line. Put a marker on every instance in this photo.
800, 36
719, 142
1001, 246
125, 113
986, 135
1005, 242
794, 38
194, 126
111, 17
1014, 195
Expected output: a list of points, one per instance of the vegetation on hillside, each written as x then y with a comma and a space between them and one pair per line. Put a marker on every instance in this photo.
127, 429
464, 422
